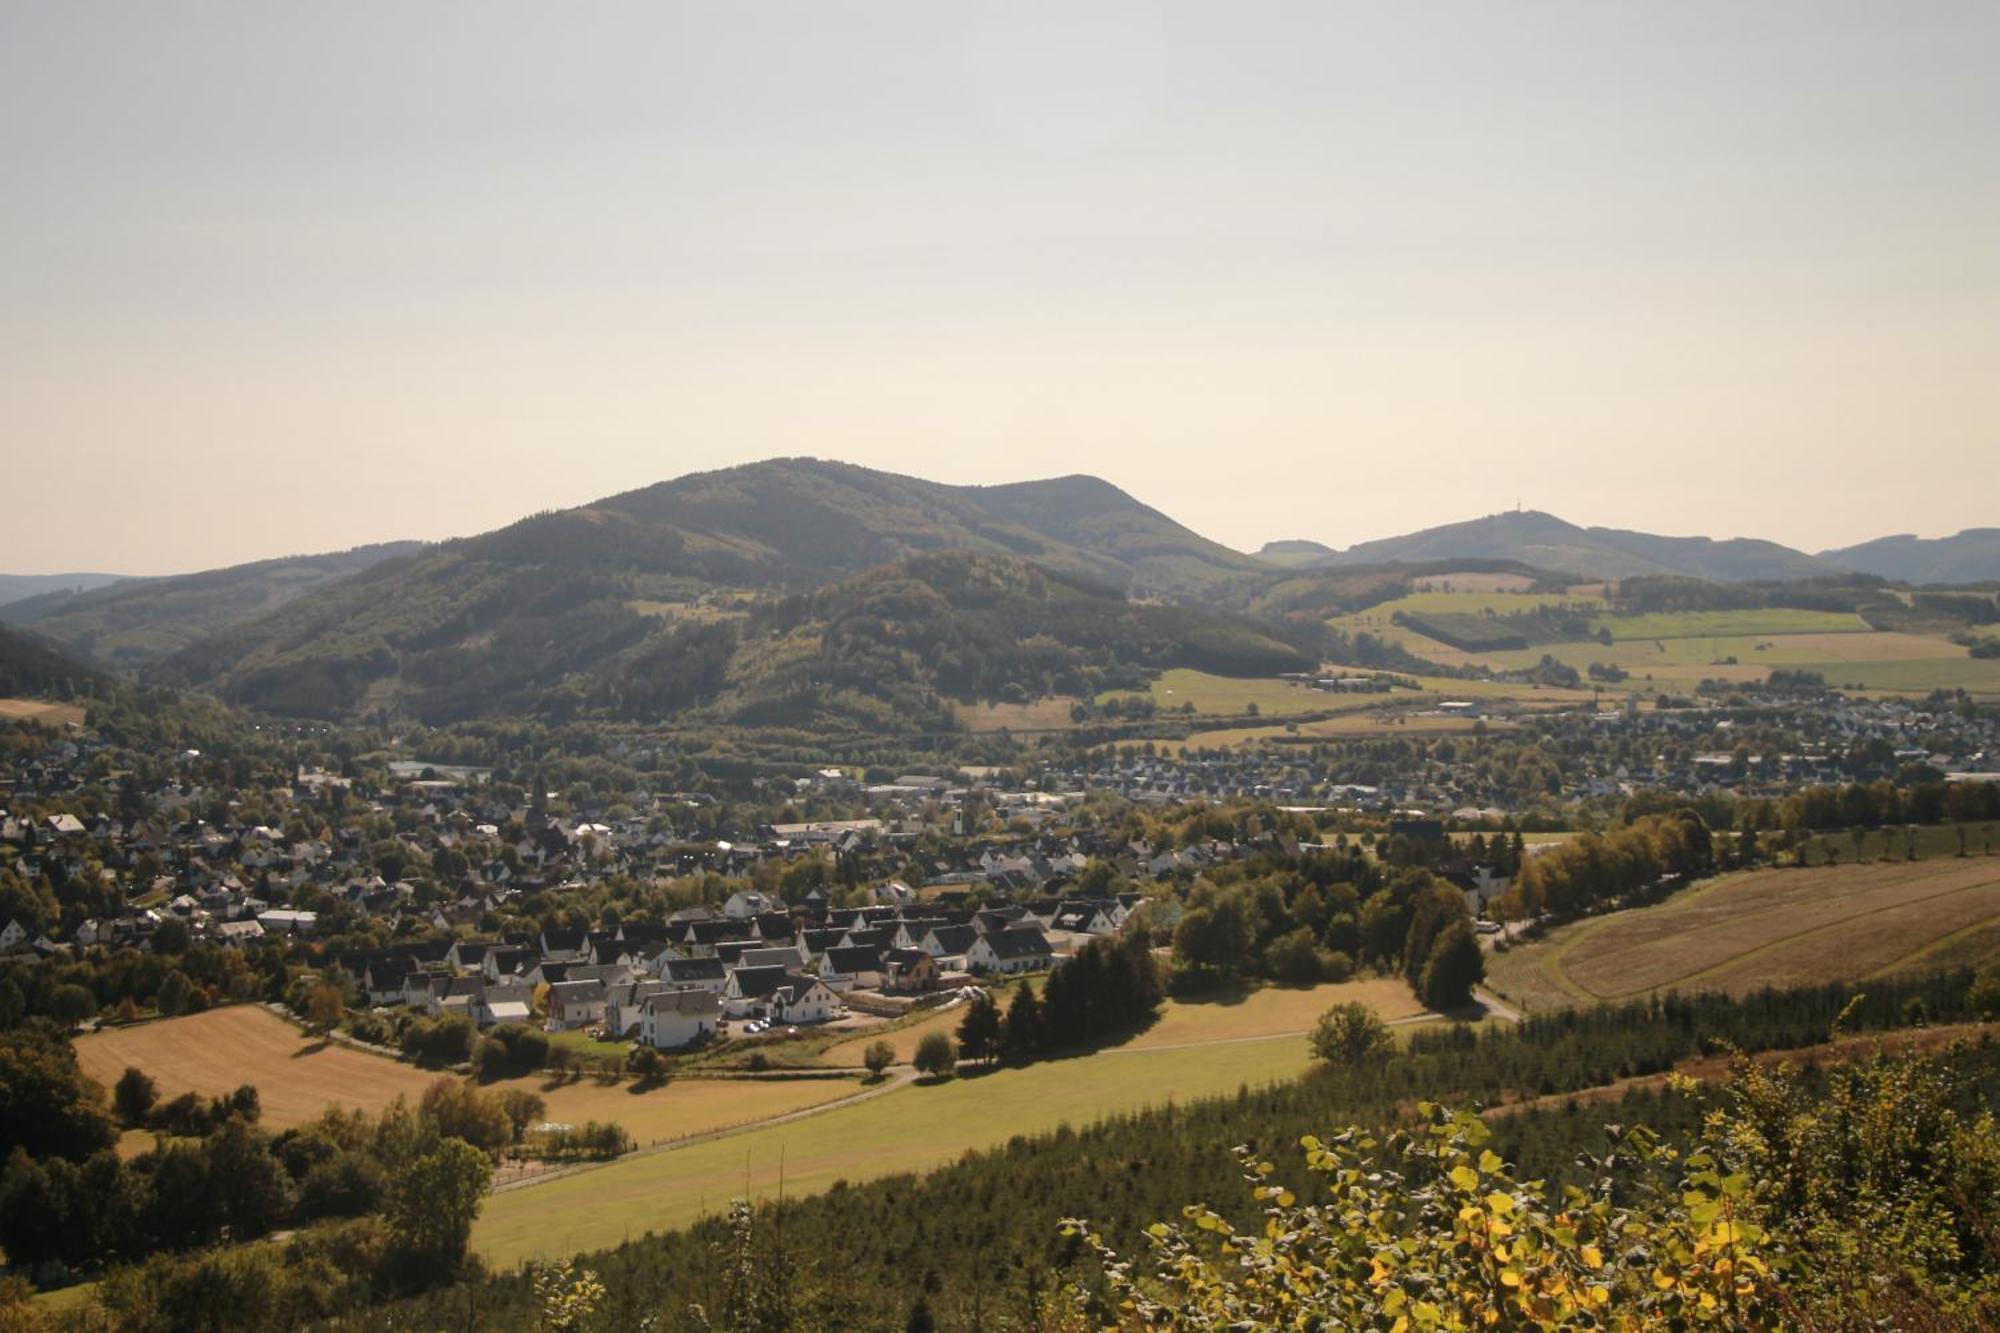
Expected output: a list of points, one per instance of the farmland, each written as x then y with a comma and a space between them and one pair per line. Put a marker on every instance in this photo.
297, 1077
38, 710
911, 1129
1768, 927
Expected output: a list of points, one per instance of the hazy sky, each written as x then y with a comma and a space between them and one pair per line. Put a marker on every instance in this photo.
291, 277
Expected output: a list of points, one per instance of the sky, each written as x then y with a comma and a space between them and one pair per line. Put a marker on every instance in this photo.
289, 278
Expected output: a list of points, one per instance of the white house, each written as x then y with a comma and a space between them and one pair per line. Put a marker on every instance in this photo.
673, 1018
803, 1000
625, 1002
575, 1004
1009, 951
13, 936
746, 903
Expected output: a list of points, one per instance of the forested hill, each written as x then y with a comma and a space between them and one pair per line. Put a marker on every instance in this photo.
800, 522
1548, 542
450, 636
34, 668
1971, 556
137, 621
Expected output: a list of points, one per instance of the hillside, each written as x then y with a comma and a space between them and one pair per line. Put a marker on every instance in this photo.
134, 622
451, 636
1971, 556
1547, 542
32, 667
1296, 553
800, 521
20, 587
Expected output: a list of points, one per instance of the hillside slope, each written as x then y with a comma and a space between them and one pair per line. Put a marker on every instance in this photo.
20, 587
138, 621
1971, 556
1547, 542
451, 636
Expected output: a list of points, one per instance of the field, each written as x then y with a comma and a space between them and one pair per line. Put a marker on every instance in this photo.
38, 710
1718, 624
298, 1077
1050, 714
1270, 1011
216, 1052
913, 1128
1767, 927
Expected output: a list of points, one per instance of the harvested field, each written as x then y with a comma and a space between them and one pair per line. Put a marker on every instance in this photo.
1770, 927
40, 710
298, 1077
216, 1052
1271, 1011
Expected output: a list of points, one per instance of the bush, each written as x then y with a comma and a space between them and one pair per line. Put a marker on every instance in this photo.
1351, 1034
134, 1096
937, 1055
878, 1057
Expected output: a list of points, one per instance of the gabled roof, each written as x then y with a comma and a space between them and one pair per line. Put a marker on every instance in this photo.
1018, 944
848, 961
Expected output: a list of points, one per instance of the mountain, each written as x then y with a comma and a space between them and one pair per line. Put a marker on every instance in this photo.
1296, 554
797, 521
451, 636
137, 621
19, 587
1971, 556
1547, 542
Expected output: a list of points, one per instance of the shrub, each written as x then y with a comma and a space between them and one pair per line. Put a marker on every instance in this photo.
937, 1055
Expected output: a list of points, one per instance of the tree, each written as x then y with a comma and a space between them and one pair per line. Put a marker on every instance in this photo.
71, 1005
1351, 1034
1023, 1035
1217, 937
1455, 966
436, 1199
46, 1104
134, 1096
979, 1030
937, 1055
1293, 958
326, 1005
878, 1057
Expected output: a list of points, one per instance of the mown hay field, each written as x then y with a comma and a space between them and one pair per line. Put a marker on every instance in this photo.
297, 1077
1769, 927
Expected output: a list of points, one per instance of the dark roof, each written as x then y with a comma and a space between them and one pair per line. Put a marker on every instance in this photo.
1018, 944
856, 958
755, 982
693, 969
953, 939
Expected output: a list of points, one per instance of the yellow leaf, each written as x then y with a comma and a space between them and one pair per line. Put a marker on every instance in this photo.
1592, 1256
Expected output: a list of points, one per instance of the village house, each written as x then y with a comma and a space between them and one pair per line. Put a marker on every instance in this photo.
576, 1004
1007, 952
671, 1019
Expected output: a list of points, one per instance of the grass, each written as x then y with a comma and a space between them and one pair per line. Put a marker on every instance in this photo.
911, 1129
1718, 624
1270, 1011
1875, 660
683, 1106
1051, 714
1768, 927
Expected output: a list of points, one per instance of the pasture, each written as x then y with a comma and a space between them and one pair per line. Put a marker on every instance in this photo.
1766, 927
1721, 624
297, 1077
913, 1128
1270, 1011
1050, 714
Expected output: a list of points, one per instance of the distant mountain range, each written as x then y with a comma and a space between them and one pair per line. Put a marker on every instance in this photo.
1547, 542
797, 591
19, 587
131, 622
1972, 556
